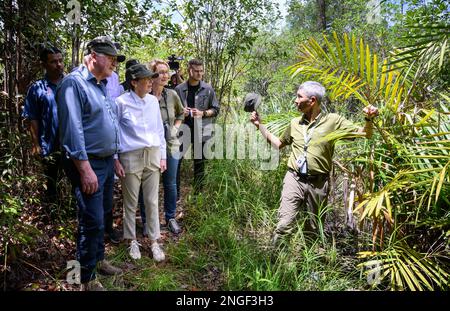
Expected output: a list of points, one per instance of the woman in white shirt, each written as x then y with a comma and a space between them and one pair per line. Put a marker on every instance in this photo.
142, 156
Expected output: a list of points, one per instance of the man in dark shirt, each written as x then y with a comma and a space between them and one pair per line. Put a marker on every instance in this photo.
200, 109
40, 110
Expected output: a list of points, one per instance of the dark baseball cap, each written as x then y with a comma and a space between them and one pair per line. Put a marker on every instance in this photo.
104, 45
251, 102
140, 71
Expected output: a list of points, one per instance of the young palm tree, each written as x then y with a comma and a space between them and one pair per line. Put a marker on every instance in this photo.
405, 167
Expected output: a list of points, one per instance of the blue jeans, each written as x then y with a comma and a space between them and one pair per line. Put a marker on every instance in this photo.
91, 211
170, 189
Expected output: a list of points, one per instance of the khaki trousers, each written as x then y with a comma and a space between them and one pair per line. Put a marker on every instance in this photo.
141, 167
296, 193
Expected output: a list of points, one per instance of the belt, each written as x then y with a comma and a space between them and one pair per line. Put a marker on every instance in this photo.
305, 177
96, 157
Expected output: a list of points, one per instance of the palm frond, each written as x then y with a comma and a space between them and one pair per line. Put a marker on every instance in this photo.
406, 268
349, 69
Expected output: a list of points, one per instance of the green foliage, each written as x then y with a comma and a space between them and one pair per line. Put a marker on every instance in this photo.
412, 142
341, 16
408, 269
142, 275
266, 61
16, 231
425, 60
230, 226
220, 38
228, 232
348, 68
401, 175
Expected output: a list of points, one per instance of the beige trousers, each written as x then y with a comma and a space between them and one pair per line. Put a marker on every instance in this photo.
295, 194
141, 167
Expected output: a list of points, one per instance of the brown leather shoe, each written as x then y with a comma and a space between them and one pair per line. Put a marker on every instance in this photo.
93, 286
105, 267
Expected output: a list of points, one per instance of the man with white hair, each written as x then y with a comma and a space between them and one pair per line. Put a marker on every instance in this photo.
89, 137
310, 161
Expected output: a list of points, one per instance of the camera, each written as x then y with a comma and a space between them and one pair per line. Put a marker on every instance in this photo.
173, 64
166, 130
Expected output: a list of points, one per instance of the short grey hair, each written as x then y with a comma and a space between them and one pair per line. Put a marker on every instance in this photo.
86, 59
313, 88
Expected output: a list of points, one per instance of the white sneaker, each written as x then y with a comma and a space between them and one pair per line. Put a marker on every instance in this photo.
135, 253
158, 254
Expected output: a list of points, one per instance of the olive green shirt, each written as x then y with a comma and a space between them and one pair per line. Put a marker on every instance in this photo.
319, 154
171, 110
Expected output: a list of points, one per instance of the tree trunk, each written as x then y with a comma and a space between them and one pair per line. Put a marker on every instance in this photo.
11, 63
321, 16
75, 47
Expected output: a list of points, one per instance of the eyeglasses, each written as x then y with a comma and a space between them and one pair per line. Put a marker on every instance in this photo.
113, 59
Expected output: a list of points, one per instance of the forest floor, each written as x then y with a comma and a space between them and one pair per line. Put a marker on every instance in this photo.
43, 265
216, 250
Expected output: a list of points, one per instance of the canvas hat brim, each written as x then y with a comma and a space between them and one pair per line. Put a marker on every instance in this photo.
251, 102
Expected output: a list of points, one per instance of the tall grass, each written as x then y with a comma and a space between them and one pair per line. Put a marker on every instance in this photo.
226, 244
231, 224
229, 228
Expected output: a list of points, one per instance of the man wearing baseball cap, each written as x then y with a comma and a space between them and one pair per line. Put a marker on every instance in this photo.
89, 136
104, 45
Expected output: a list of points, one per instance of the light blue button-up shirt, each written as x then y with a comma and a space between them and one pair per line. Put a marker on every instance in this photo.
113, 86
40, 105
87, 116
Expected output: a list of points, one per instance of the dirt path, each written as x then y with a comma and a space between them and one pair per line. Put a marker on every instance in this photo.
41, 266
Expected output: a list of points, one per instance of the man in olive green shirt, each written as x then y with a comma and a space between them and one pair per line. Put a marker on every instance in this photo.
310, 161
